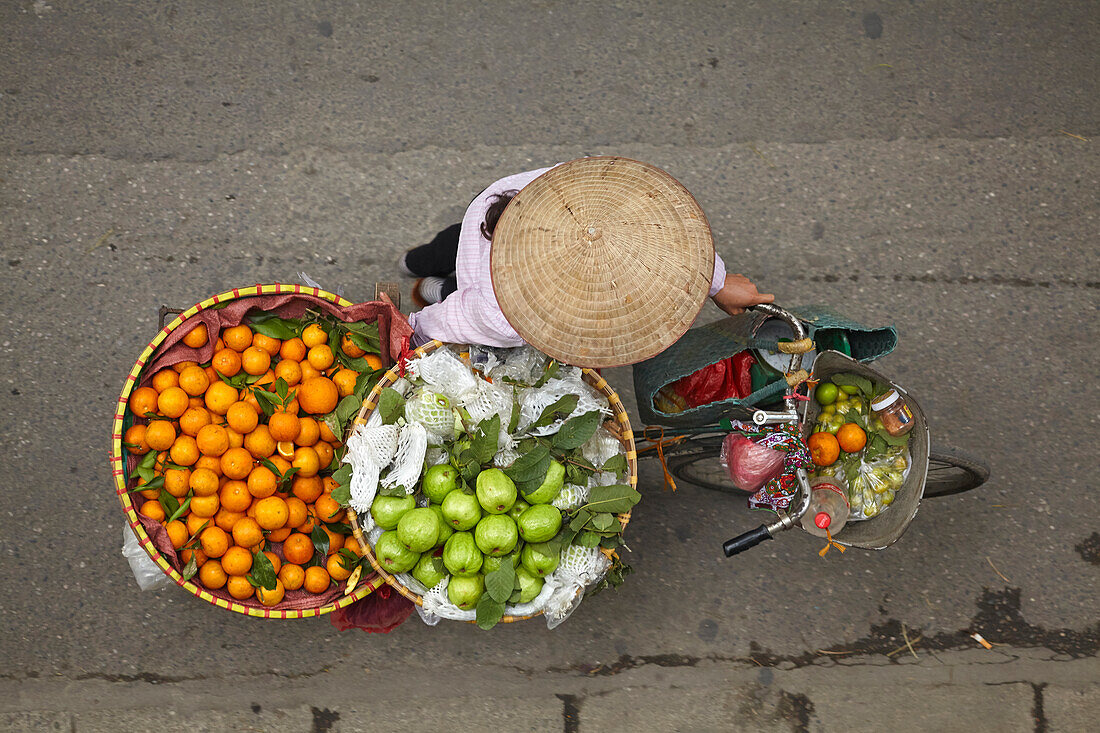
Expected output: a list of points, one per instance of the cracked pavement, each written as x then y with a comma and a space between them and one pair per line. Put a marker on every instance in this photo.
932, 165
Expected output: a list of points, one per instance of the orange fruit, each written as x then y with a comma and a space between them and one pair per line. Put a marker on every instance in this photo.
310, 523
306, 488
271, 512
328, 484
153, 510
184, 451
164, 379
271, 597
283, 426
308, 371
316, 580
262, 482
276, 563
135, 436
172, 402
237, 338
281, 464
236, 463
345, 381
309, 431
200, 558
824, 449
320, 357
374, 361
851, 438
227, 520
298, 549
328, 509
193, 380
179, 366
249, 399
260, 443
291, 408
143, 401
219, 397
236, 440
177, 481
255, 361
285, 449
349, 347
212, 440
267, 343
192, 421
335, 541
325, 453
335, 567
205, 506
279, 535
211, 575
239, 587
214, 463
267, 377
197, 337
214, 541
296, 511
203, 482
196, 524
326, 432
147, 493
211, 373
352, 546
318, 395
292, 576
226, 362
314, 335
177, 532
293, 350
162, 458
237, 561
241, 417
289, 371
246, 533
234, 496
160, 435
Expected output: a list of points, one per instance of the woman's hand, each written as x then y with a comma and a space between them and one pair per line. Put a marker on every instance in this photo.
738, 293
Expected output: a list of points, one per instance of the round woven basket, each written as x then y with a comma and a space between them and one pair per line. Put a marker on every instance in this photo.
124, 418
621, 428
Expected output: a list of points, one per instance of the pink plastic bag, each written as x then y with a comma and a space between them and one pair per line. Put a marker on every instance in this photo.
750, 464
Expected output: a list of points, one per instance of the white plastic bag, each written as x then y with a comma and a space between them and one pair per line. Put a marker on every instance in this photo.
146, 572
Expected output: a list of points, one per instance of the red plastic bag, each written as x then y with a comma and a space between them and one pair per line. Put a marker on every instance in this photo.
750, 464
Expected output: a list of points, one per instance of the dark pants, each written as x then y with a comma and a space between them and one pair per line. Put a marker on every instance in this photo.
437, 258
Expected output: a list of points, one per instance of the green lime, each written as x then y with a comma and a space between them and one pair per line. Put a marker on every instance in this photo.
825, 394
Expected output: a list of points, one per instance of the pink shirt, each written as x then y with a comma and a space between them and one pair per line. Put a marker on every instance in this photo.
471, 315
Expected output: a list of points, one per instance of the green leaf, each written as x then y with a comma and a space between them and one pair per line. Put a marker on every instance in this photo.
320, 541
182, 508
271, 325
342, 495
499, 583
281, 388
587, 539
604, 521
347, 409
576, 431
895, 439
391, 406
365, 382
580, 519
339, 528
394, 490
852, 380
617, 464
148, 461
513, 421
265, 400
616, 498
531, 465
190, 568
484, 443
263, 572
560, 409
610, 542
549, 372
489, 611
169, 503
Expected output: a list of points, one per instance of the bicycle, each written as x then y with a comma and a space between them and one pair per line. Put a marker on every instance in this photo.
692, 453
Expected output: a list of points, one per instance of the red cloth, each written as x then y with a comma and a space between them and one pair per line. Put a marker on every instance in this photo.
379, 613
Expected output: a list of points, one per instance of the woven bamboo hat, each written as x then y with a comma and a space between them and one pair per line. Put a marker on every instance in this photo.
602, 261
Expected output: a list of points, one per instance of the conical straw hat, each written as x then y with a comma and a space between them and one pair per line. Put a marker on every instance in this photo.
602, 261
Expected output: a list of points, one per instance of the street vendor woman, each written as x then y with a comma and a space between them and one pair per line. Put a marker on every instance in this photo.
597, 262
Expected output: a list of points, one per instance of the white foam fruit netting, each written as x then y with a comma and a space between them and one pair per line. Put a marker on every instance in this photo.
490, 420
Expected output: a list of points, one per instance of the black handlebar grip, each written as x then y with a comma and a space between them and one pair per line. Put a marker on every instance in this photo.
750, 539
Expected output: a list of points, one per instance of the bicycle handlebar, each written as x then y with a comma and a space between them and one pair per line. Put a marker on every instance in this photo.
748, 540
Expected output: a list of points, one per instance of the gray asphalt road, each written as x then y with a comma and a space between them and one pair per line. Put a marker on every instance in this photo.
931, 165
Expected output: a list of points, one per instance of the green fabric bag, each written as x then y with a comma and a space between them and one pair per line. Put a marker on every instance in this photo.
720, 340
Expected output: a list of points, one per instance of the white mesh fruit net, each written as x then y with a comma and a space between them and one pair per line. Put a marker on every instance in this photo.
431, 410
408, 462
533, 401
370, 449
443, 372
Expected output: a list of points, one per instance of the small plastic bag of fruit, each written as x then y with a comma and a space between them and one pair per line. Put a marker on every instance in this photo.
874, 482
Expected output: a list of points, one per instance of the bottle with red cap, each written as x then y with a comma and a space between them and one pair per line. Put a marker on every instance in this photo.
829, 506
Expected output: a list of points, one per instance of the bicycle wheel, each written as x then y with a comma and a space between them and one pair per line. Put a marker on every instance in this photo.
952, 471
697, 463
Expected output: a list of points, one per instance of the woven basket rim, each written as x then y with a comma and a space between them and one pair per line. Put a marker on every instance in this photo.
597, 381
118, 459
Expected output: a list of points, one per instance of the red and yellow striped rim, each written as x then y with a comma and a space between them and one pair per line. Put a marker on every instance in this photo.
591, 376
118, 462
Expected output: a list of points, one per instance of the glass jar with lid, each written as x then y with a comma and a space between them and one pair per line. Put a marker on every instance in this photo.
895, 415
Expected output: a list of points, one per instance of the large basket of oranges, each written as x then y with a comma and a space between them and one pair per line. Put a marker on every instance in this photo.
227, 438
